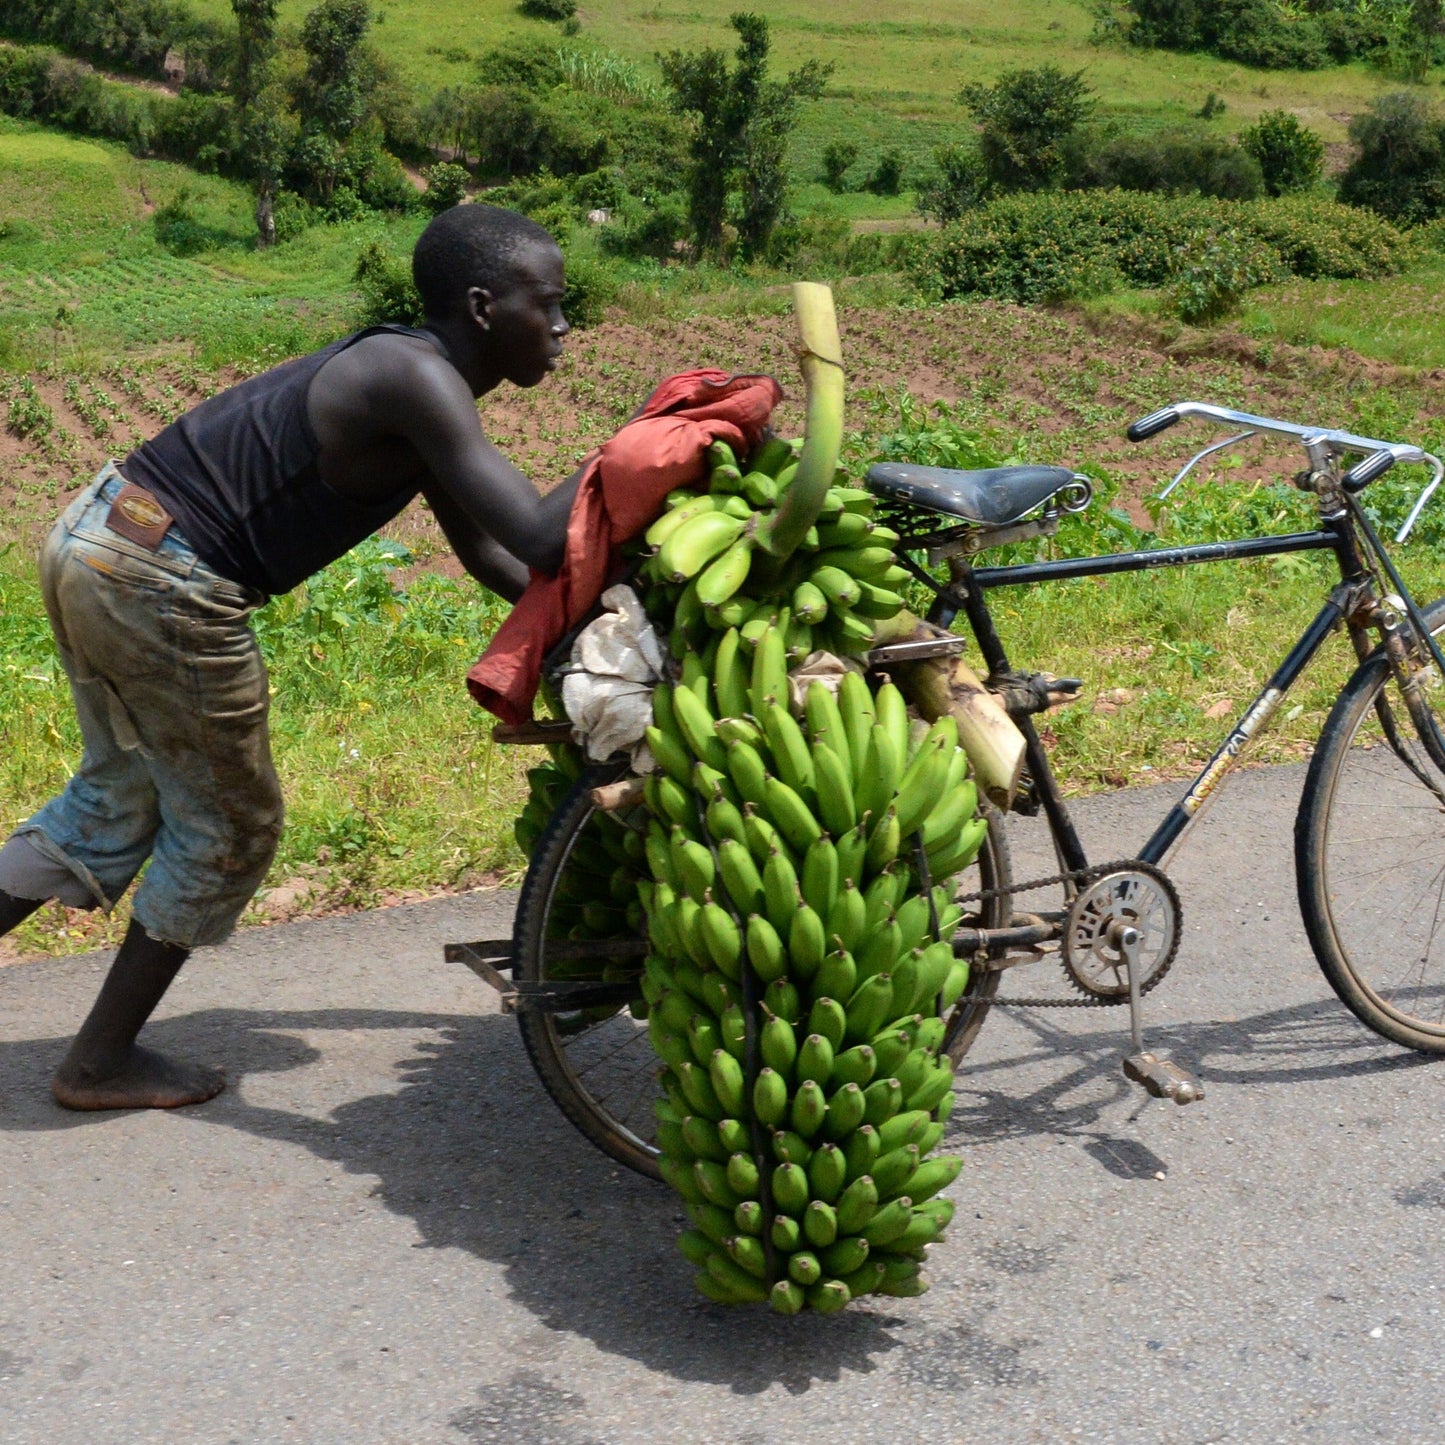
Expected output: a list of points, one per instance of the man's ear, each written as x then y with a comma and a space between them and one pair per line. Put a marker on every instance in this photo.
480, 303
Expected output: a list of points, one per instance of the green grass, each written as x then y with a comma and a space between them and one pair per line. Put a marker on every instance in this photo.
80, 265
1398, 319
912, 62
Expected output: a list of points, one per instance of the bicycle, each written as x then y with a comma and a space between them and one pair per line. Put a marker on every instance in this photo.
1381, 755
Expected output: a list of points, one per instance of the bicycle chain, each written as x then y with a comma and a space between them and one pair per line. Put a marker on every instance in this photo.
1072, 875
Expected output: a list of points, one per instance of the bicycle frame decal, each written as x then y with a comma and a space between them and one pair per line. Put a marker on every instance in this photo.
1255, 720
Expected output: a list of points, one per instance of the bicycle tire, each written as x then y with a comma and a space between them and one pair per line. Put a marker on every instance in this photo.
990, 871
569, 1051
1370, 855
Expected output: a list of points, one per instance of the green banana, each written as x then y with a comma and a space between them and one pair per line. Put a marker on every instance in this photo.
857, 1205
805, 1269
860, 1150
790, 1189
730, 676
787, 1297
837, 976
882, 1099
806, 943
827, 1173
765, 949
809, 1108
726, 1076
892, 1171
815, 1061
748, 1217
844, 1114
712, 1179
848, 916
933, 1175
819, 881
690, 547
868, 1007
770, 1097
780, 892
889, 1222
792, 815
748, 772
786, 1233
790, 751
855, 1065
699, 728
671, 520
791, 1148
828, 1019
740, 876
779, 1047
726, 573
820, 1224
742, 1175
835, 796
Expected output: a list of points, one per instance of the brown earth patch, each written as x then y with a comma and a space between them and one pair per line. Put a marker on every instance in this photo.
1046, 386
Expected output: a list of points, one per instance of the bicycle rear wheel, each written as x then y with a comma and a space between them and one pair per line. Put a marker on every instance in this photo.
1370, 853
989, 873
596, 1062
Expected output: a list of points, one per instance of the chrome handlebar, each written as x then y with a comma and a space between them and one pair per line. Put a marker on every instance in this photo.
1379, 456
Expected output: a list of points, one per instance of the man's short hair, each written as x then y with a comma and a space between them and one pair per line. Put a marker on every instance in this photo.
470, 245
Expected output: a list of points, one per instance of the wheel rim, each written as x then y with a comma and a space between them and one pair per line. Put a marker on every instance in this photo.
1384, 864
608, 1061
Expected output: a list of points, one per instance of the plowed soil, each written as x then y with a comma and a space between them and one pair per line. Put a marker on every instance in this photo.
1045, 386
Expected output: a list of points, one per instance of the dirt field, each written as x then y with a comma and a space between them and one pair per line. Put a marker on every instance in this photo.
1047, 386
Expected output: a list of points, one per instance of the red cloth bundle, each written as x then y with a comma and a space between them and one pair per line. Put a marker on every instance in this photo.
622, 490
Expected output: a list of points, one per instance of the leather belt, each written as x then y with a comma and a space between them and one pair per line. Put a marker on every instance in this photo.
136, 515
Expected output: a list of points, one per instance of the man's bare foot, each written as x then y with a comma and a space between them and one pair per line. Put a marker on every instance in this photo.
145, 1080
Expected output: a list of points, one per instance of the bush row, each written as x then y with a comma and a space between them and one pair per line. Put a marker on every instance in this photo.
1261, 33
1052, 245
39, 83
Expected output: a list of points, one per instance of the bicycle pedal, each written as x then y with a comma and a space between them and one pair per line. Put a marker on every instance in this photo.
1163, 1079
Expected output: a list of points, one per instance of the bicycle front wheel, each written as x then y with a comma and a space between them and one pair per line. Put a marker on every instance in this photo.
1370, 853
596, 1061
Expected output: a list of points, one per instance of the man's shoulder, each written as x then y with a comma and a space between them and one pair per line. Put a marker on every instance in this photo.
396, 364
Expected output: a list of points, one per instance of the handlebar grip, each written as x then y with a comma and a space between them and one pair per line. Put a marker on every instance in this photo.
1152, 425
1363, 473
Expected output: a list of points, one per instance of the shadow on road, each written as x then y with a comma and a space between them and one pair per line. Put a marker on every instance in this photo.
471, 1151
1313, 1043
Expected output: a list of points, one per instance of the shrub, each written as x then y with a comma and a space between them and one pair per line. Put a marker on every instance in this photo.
838, 155
1399, 164
1212, 273
1291, 157
959, 184
1024, 117
654, 228
886, 178
1175, 162
1075, 243
446, 185
592, 287
532, 65
387, 290
558, 10
177, 228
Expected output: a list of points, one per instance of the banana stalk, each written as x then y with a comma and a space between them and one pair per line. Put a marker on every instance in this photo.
821, 360
940, 686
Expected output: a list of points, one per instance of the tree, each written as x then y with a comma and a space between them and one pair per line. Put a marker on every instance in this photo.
741, 124
259, 108
1426, 22
331, 97
1024, 118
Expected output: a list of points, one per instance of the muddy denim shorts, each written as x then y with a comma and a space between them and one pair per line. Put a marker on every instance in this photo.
172, 698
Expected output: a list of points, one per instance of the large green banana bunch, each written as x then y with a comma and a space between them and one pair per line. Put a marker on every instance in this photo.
795, 867
709, 575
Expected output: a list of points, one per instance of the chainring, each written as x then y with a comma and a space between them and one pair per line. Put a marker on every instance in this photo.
1138, 894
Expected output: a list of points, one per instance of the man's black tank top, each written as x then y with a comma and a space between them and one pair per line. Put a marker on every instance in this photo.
239, 474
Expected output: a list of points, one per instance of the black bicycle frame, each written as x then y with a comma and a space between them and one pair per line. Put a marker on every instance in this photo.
965, 593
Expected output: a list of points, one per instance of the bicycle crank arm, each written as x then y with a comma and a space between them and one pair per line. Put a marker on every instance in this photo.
1161, 1078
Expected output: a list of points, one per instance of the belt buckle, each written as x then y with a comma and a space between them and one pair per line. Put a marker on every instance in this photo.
138, 517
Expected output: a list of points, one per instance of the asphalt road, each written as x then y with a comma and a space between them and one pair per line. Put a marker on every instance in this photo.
383, 1232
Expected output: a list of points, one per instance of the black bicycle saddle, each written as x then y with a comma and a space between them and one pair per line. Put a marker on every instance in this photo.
991, 498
